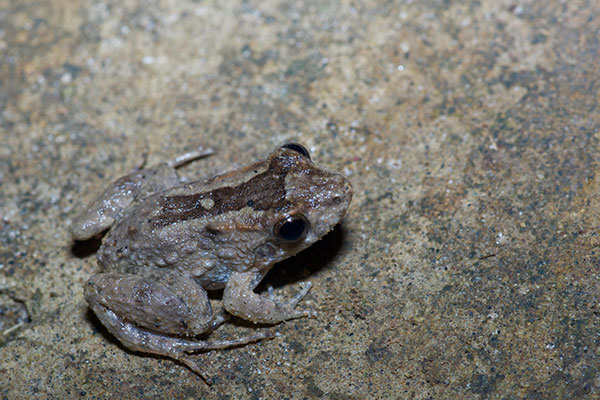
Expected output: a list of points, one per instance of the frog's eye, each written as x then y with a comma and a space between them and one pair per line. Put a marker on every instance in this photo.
292, 228
298, 148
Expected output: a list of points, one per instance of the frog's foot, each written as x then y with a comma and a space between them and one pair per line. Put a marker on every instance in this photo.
291, 304
185, 347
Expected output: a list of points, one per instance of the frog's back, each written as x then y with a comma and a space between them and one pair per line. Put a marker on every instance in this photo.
140, 241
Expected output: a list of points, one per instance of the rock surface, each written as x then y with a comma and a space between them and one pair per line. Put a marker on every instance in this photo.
468, 266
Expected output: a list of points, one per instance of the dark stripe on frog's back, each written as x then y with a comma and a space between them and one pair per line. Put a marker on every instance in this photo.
266, 191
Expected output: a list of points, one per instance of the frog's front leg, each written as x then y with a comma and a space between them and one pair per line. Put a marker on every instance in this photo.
158, 314
240, 300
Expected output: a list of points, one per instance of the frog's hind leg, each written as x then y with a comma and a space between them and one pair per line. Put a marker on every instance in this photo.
165, 176
159, 313
178, 349
102, 212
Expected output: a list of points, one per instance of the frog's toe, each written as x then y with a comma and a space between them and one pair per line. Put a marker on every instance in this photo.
306, 314
191, 364
290, 305
293, 302
294, 314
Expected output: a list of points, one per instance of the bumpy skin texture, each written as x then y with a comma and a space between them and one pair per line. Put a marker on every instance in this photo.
168, 242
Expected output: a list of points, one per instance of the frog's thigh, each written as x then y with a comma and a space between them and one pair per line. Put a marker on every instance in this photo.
169, 303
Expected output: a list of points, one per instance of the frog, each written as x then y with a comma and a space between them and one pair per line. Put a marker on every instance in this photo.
167, 242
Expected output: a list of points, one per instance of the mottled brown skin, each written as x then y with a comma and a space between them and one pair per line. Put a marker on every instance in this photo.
168, 242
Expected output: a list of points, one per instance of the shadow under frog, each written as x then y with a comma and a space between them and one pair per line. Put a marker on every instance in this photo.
168, 243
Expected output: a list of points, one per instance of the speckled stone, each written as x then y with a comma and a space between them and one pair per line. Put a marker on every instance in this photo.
468, 266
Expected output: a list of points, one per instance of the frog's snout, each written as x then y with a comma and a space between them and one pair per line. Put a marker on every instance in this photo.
342, 196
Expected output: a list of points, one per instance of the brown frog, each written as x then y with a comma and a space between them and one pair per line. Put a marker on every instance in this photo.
170, 241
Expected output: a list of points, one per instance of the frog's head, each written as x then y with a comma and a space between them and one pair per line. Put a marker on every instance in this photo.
301, 202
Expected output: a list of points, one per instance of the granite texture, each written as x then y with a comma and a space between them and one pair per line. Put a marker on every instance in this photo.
468, 266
